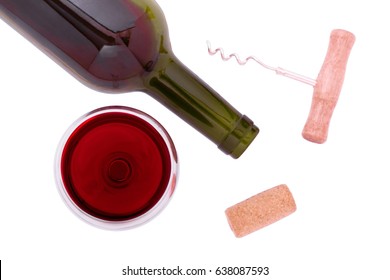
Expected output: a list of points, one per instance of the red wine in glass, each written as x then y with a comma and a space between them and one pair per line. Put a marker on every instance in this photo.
116, 167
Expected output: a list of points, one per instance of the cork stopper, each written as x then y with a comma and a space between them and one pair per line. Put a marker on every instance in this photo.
260, 210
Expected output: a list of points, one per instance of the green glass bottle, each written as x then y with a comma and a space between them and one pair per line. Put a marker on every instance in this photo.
122, 46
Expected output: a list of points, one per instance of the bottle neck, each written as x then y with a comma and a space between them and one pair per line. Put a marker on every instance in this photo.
180, 90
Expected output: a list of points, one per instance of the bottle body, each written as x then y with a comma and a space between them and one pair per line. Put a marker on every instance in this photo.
122, 46
96, 49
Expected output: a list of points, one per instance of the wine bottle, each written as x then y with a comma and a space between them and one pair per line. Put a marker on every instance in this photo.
122, 46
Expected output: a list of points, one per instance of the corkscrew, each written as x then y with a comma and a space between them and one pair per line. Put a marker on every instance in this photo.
327, 86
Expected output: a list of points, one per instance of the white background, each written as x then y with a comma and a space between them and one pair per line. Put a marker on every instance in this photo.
341, 227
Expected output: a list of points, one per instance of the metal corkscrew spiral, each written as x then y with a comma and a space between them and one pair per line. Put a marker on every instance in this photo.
277, 70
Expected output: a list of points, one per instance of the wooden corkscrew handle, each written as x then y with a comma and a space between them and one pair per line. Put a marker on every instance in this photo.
328, 86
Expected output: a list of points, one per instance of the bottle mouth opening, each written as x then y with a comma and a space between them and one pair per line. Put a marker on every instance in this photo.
239, 139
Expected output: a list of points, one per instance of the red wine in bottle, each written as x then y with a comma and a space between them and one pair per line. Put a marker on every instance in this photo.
118, 165
123, 46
